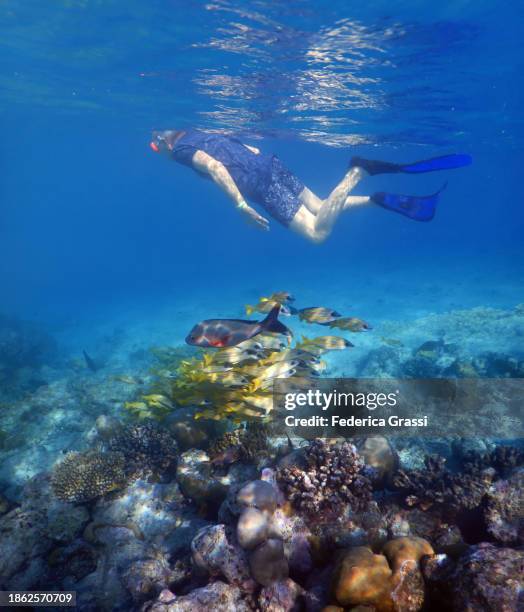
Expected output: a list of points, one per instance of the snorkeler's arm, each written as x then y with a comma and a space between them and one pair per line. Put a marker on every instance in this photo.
220, 175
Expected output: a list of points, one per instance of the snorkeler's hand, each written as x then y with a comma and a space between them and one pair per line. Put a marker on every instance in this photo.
255, 219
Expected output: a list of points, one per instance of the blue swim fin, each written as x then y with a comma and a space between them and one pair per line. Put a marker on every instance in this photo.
444, 162
419, 208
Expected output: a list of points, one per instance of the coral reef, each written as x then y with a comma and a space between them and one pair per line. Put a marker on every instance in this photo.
484, 578
437, 485
501, 458
242, 520
147, 448
504, 510
332, 480
466, 489
30, 531
390, 581
255, 533
217, 596
214, 552
81, 477
279, 596
268, 563
247, 443
197, 481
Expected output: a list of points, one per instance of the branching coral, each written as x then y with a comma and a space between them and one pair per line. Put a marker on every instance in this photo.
501, 458
331, 480
81, 477
244, 443
147, 448
435, 484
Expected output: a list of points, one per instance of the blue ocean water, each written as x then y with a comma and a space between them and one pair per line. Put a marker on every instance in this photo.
95, 228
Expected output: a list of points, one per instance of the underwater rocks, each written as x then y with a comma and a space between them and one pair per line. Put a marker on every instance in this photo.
73, 561
249, 443
332, 480
380, 362
268, 539
485, 578
504, 510
252, 528
136, 533
147, 577
283, 596
106, 427
80, 477
361, 577
432, 359
258, 494
30, 531
275, 541
450, 344
189, 434
196, 478
118, 552
268, 563
216, 596
380, 458
497, 365
216, 553
390, 581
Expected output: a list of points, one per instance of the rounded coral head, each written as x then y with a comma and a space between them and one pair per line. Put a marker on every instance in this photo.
163, 141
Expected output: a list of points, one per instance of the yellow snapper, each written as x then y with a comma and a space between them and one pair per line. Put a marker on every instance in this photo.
324, 343
350, 323
318, 314
281, 297
265, 305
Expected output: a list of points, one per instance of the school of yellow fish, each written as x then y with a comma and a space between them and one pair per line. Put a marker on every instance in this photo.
237, 382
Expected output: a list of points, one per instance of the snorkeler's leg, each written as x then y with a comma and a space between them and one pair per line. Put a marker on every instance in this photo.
334, 204
315, 218
310, 200
352, 201
351, 179
313, 203
304, 223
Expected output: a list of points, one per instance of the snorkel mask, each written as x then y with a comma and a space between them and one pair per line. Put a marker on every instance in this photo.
164, 141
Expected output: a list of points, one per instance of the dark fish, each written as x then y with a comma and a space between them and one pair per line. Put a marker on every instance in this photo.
91, 364
230, 332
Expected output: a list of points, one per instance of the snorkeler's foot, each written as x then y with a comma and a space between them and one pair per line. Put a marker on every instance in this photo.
444, 162
418, 208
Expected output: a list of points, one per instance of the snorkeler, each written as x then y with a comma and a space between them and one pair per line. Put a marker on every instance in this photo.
244, 173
